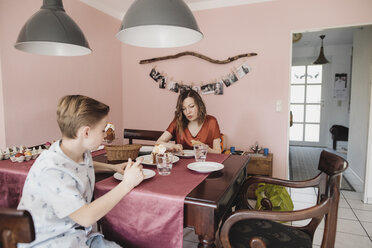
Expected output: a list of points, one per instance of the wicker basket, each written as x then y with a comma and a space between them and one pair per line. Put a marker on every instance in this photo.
122, 152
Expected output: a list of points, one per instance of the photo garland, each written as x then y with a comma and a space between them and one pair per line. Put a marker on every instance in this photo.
215, 88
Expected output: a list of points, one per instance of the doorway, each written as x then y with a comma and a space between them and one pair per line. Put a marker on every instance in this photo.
316, 106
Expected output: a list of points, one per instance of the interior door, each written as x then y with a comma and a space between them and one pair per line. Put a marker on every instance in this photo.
306, 105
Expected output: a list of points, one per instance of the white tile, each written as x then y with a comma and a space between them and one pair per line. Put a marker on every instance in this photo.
299, 197
346, 213
301, 205
351, 227
364, 215
343, 203
189, 244
309, 190
350, 195
318, 236
368, 227
346, 240
191, 236
358, 204
343, 240
301, 222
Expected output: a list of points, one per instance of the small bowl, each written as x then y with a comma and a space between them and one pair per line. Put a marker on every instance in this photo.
20, 159
28, 157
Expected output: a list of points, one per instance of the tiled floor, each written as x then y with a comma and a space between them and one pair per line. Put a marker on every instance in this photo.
354, 226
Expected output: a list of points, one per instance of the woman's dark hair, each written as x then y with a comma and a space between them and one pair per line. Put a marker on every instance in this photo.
180, 118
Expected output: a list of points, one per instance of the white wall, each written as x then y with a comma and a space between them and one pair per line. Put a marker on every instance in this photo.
334, 111
360, 101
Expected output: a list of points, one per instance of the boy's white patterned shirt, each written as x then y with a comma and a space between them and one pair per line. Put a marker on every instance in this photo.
55, 187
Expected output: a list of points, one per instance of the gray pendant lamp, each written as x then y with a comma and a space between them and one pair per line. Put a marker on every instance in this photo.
50, 31
159, 24
321, 59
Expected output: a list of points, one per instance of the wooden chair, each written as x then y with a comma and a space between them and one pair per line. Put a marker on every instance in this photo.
16, 226
339, 133
141, 134
253, 228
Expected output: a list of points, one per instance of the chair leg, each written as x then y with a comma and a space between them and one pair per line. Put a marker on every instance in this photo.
334, 144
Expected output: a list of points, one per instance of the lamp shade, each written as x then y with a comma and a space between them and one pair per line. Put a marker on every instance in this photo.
50, 31
321, 58
159, 24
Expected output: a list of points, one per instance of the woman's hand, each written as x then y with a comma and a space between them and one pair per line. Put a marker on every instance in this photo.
175, 148
133, 174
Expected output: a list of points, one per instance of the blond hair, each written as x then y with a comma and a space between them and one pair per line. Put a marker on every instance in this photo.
75, 111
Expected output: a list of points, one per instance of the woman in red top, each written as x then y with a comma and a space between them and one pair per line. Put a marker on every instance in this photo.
191, 125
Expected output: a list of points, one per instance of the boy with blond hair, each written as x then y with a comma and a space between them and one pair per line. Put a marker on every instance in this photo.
59, 187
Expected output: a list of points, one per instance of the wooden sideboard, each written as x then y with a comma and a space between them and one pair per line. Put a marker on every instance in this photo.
260, 165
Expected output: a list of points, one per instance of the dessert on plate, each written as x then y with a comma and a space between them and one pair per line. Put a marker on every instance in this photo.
109, 133
158, 149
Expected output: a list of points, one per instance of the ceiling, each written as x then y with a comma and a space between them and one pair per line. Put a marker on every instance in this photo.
117, 8
334, 36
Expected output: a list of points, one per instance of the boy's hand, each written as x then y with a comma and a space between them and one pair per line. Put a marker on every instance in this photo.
120, 167
133, 174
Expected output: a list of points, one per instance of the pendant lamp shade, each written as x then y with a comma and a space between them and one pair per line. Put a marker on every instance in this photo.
159, 24
50, 31
321, 58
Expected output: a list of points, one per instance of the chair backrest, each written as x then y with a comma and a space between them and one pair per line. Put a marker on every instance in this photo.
16, 226
328, 182
141, 134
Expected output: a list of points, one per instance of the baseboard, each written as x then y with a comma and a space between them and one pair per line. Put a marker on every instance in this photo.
349, 170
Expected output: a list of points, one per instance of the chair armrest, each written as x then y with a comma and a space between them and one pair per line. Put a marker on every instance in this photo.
303, 214
281, 182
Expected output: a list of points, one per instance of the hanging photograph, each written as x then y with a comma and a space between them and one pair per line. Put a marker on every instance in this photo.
242, 70
173, 86
184, 87
207, 89
196, 88
233, 78
162, 81
226, 81
218, 88
154, 74
340, 86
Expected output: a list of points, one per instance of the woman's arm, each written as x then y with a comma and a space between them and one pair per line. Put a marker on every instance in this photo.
165, 138
91, 212
216, 147
103, 167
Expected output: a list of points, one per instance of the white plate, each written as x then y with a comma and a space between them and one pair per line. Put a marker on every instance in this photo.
147, 159
205, 167
146, 172
186, 154
146, 148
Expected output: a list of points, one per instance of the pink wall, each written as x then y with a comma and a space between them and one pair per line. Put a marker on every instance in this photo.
246, 112
33, 84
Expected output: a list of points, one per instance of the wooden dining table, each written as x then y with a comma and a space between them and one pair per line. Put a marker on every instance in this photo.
210, 201
204, 207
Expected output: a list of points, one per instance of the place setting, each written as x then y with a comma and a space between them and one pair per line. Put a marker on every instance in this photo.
200, 153
146, 172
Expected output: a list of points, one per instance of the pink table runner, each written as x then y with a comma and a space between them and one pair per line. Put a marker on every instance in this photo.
12, 178
151, 215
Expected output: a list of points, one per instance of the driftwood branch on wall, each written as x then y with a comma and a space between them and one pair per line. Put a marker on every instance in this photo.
228, 60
